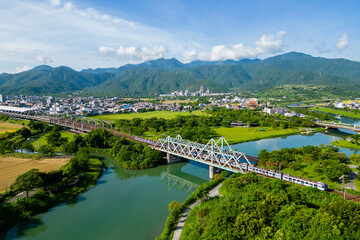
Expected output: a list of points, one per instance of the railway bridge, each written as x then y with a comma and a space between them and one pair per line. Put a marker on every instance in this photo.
217, 154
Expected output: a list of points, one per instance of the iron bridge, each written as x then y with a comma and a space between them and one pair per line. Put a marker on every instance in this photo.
216, 153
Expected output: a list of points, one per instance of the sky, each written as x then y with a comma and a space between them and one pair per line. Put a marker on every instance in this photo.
85, 34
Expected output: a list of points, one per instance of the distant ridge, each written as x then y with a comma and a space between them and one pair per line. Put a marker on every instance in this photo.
159, 76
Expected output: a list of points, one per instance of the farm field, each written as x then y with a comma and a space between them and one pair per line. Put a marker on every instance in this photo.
8, 127
338, 112
11, 167
157, 114
245, 134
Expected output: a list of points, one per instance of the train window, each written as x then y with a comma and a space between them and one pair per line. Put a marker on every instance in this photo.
306, 183
315, 185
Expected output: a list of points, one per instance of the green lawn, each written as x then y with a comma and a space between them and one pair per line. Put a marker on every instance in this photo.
338, 112
40, 141
157, 114
345, 144
245, 134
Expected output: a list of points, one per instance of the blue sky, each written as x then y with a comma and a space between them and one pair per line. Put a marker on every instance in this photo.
108, 33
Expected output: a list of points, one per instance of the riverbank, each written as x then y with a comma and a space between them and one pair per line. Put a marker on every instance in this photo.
337, 112
345, 144
263, 208
52, 193
235, 135
177, 210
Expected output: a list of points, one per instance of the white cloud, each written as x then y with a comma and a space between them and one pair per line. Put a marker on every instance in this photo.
22, 69
43, 59
189, 55
56, 2
68, 6
71, 36
134, 54
342, 42
271, 44
268, 43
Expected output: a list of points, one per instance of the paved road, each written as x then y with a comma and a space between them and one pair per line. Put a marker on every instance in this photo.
179, 227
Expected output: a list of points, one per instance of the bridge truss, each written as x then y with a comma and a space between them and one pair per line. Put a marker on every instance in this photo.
216, 153
172, 181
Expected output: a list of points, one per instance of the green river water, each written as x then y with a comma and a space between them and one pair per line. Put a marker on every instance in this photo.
132, 204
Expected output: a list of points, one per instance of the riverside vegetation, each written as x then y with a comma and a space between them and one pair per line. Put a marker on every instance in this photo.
202, 128
79, 174
323, 163
261, 208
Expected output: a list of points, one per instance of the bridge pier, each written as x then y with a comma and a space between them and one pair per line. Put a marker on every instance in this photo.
172, 158
212, 171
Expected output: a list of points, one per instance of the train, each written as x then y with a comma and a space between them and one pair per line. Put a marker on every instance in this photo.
285, 177
279, 175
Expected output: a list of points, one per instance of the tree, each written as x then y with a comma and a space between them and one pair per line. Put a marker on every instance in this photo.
175, 207
24, 132
27, 146
355, 158
47, 150
29, 180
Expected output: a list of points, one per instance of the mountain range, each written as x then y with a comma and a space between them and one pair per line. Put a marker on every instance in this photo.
163, 76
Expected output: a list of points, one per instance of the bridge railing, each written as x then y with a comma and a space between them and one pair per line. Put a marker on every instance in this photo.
215, 153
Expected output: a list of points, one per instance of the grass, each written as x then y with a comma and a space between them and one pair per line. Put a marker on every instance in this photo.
337, 112
345, 144
11, 167
308, 171
40, 141
157, 114
357, 184
244, 134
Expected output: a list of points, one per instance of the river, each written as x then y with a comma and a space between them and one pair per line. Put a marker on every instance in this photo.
132, 204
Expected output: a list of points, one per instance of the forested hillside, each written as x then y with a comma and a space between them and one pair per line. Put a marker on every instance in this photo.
260, 208
163, 76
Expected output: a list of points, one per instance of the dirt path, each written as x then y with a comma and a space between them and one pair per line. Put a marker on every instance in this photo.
179, 227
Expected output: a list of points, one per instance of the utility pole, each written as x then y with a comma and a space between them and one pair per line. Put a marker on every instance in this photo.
342, 178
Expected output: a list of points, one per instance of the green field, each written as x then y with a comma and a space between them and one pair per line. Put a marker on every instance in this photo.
40, 141
157, 114
337, 112
345, 144
245, 134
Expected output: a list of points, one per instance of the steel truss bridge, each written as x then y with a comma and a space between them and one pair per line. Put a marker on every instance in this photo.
172, 181
216, 153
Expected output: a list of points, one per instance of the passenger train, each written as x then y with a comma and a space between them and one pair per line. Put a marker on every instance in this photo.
283, 176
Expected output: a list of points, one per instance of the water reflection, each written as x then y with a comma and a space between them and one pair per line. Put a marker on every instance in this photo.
172, 181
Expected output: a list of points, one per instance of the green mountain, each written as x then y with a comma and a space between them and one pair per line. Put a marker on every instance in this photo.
152, 82
163, 76
47, 80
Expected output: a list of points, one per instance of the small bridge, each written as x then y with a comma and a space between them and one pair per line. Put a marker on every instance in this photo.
336, 125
